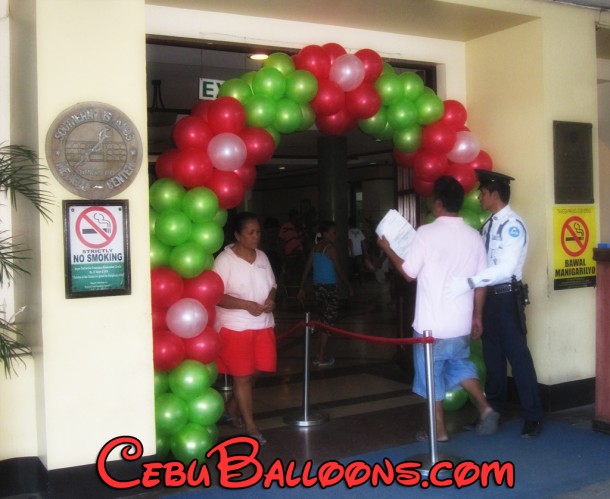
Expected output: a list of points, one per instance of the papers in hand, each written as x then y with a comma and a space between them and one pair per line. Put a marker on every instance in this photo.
398, 232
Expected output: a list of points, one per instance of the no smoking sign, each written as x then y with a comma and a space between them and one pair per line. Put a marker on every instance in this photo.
96, 227
574, 236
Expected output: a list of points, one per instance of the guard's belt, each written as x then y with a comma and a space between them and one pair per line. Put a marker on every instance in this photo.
500, 289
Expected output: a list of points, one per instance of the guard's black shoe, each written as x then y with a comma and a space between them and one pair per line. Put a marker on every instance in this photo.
531, 429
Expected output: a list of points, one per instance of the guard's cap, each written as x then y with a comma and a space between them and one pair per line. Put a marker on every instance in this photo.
487, 178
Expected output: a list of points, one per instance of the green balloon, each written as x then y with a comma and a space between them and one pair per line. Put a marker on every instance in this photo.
429, 218
189, 379
206, 408
191, 443
209, 235
163, 446
236, 88
455, 399
275, 134
387, 69
390, 89
221, 217
214, 432
152, 218
200, 204
309, 117
248, 77
213, 371
413, 85
407, 139
375, 124
189, 260
165, 194
430, 108
269, 82
280, 61
260, 111
386, 134
288, 116
171, 413
402, 114
470, 217
161, 382
471, 201
301, 86
476, 348
159, 253
173, 227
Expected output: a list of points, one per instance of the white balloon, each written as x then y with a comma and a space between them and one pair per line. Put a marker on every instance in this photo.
227, 151
466, 148
348, 71
187, 318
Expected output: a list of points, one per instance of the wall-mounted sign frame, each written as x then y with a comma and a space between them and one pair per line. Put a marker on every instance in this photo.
96, 248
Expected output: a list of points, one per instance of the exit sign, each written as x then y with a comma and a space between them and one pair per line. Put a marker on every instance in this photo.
208, 88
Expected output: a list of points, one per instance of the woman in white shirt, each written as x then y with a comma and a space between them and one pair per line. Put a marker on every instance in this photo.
244, 318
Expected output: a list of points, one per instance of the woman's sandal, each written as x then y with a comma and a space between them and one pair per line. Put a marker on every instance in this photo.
257, 435
233, 420
422, 436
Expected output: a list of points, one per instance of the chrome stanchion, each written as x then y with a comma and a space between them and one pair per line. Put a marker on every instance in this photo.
226, 386
429, 460
307, 419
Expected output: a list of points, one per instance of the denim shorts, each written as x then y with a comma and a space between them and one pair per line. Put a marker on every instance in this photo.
452, 365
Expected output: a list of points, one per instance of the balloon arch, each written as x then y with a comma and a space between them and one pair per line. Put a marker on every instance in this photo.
213, 164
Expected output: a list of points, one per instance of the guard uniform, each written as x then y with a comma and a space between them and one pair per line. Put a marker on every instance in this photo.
504, 338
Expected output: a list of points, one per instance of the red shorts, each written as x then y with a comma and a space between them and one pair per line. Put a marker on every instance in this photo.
242, 353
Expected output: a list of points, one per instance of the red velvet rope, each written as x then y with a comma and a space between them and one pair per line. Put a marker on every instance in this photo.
356, 336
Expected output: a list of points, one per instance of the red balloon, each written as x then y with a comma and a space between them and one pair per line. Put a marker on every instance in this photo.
247, 174
334, 50
329, 99
166, 286
454, 115
226, 114
211, 314
373, 64
168, 350
203, 347
192, 167
158, 318
228, 187
438, 137
314, 59
164, 167
429, 166
191, 131
482, 162
363, 102
201, 109
404, 159
464, 175
207, 288
259, 144
423, 187
337, 123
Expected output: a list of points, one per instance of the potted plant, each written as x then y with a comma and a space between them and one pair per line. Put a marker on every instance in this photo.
19, 174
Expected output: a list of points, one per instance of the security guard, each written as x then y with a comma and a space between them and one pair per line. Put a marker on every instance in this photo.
506, 241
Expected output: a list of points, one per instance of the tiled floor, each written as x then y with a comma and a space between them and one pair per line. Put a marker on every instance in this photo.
366, 394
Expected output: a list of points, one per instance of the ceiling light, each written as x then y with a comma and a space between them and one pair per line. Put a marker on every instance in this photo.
259, 57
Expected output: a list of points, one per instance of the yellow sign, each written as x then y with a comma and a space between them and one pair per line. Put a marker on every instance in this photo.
574, 238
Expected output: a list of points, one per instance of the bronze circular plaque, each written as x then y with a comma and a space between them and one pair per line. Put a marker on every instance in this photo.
94, 150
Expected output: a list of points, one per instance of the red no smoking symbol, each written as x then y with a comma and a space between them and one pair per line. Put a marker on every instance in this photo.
574, 236
96, 227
